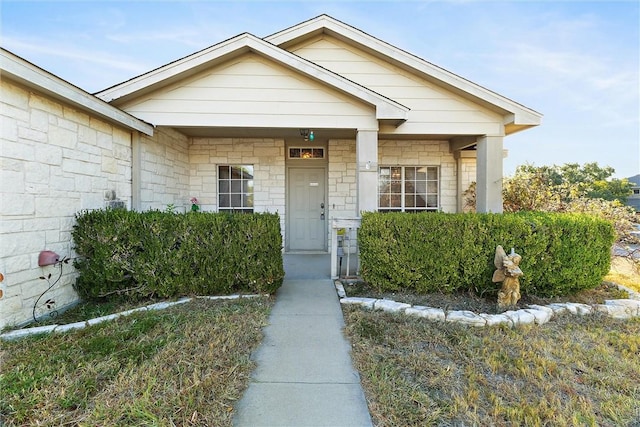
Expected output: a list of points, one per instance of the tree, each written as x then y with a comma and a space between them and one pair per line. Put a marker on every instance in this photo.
571, 181
568, 188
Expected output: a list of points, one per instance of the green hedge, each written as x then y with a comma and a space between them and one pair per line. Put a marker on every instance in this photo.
166, 255
439, 252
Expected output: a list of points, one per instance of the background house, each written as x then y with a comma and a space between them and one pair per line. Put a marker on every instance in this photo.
634, 199
315, 122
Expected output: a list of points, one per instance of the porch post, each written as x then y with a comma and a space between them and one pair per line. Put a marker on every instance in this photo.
367, 170
489, 174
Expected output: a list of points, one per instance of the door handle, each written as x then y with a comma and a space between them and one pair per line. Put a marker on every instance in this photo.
322, 205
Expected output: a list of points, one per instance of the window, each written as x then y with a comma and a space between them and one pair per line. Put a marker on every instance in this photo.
306, 153
636, 191
235, 188
408, 188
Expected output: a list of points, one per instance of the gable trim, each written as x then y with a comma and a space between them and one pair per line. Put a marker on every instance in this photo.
386, 109
517, 114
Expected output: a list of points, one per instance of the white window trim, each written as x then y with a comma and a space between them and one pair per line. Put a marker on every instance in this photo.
403, 208
306, 148
235, 208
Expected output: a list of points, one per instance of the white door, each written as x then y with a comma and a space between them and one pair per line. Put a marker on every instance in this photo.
306, 217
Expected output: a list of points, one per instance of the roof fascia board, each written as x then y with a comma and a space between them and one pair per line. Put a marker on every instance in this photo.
36, 78
386, 109
188, 64
521, 114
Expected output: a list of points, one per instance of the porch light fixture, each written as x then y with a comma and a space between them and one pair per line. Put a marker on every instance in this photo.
307, 134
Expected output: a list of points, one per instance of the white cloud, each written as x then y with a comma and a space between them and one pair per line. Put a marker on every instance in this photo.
43, 47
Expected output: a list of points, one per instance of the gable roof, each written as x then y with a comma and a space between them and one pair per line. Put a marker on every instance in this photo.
386, 109
517, 116
634, 180
19, 70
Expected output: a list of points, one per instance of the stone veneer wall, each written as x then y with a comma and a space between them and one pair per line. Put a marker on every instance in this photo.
342, 187
164, 170
425, 153
468, 175
267, 157
55, 161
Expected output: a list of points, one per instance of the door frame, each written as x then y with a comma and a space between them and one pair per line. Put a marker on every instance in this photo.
306, 164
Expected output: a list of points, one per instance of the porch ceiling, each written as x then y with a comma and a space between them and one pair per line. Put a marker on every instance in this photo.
286, 133
291, 133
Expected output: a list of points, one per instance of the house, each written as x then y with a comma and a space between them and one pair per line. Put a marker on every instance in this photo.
315, 122
634, 199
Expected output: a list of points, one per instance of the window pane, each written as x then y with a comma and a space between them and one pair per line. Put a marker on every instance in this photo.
383, 184
432, 173
223, 172
409, 201
409, 187
294, 153
235, 186
410, 174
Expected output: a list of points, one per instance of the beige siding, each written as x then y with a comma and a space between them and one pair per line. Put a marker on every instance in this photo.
252, 92
54, 162
433, 109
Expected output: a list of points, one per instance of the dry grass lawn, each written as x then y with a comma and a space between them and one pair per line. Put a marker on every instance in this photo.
186, 365
572, 371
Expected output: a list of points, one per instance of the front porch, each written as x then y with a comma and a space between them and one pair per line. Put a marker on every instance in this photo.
340, 182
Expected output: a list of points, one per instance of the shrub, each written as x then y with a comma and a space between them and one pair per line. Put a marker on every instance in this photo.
438, 252
166, 255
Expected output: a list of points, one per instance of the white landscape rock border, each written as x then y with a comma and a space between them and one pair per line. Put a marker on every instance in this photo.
21, 333
533, 314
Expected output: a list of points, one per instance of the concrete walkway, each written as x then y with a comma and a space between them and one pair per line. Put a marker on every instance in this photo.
304, 374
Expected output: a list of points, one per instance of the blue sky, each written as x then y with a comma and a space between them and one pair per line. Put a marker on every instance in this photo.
576, 62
